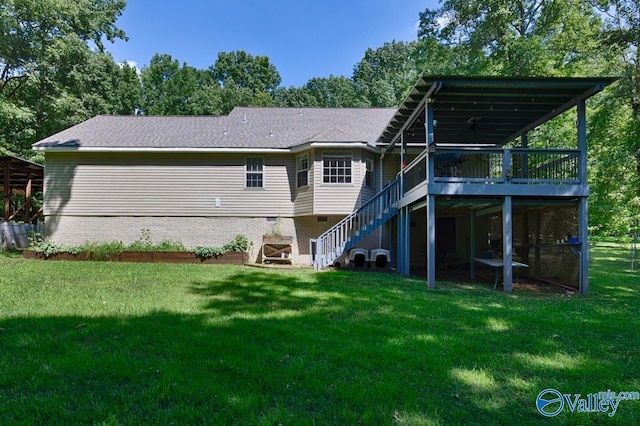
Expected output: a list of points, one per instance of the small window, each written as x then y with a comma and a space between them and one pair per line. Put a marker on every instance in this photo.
369, 173
254, 173
336, 169
302, 170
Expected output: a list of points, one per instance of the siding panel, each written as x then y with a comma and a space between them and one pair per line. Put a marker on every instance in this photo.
337, 198
164, 185
303, 204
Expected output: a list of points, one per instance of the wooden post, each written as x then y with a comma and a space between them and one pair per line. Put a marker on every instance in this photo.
583, 237
506, 166
582, 142
507, 244
431, 241
429, 127
403, 162
583, 212
7, 191
403, 262
472, 246
538, 270
27, 203
525, 158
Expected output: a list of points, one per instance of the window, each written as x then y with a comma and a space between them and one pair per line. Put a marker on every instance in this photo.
369, 173
302, 170
254, 173
336, 169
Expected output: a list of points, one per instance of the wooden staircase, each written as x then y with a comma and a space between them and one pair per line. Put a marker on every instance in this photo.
352, 229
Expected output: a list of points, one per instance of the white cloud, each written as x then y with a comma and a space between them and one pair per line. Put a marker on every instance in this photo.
132, 64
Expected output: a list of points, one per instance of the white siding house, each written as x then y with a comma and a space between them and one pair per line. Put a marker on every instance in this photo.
448, 178
203, 180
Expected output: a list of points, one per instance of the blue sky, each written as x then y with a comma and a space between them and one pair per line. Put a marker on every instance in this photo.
303, 39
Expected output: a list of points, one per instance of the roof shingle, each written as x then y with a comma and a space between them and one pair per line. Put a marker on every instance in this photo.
250, 128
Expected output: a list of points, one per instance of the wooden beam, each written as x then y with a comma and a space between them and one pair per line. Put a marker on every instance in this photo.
507, 244
27, 204
431, 241
7, 191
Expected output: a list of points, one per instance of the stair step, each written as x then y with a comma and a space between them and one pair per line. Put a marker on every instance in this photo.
358, 225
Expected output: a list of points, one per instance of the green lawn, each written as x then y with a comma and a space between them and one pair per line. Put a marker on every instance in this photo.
119, 344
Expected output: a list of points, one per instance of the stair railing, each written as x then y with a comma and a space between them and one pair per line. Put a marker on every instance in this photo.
341, 237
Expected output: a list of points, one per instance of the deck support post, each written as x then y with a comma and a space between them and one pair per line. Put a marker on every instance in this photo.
404, 223
7, 191
472, 245
404, 229
583, 237
524, 139
381, 185
27, 205
429, 125
582, 142
403, 163
431, 241
583, 209
507, 243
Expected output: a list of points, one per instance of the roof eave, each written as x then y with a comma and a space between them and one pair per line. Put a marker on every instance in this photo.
212, 150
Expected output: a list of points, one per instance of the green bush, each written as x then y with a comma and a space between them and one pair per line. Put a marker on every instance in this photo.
49, 248
207, 252
239, 243
102, 251
109, 250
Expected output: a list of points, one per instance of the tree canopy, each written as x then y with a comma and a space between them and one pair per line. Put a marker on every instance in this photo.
47, 68
54, 73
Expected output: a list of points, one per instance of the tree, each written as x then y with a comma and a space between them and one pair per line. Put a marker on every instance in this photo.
517, 37
562, 38
240, 69
38, 39
167, 87
614, 203
127, 98
621, 33
617, 135
334, 92
385, 74
294, 97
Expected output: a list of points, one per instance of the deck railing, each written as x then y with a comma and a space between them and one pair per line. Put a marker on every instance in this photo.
349, 231
545, 166
495, 166
468, 165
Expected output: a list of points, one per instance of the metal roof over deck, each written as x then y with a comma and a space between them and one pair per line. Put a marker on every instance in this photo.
485, 110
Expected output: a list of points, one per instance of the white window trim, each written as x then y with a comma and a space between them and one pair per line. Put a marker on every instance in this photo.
338, 155
247, 171
372, 170
299, 170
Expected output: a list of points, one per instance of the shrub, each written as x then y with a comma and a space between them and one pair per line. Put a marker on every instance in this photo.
103, 251
239, 243
109, 250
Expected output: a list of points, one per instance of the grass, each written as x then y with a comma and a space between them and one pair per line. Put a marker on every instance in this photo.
117, 344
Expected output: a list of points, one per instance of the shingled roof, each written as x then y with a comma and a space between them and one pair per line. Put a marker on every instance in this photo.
243, 128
